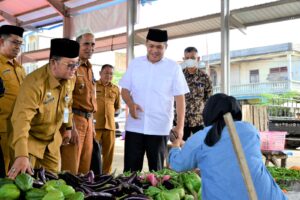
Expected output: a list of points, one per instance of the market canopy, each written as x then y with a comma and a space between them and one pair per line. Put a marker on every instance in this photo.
33, 14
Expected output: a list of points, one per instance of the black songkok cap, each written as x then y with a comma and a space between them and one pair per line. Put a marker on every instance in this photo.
10, 29
64, 47
157, 35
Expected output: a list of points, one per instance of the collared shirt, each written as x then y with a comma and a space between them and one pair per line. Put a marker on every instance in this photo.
153, 87
38, 113
12, 75
108, 102
220, 171
200, 90
84, 94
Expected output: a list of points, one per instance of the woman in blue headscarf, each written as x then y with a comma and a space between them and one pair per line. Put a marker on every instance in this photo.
211, 151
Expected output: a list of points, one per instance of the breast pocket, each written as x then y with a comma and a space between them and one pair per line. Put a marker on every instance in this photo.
112, 97
79, 86
46, 112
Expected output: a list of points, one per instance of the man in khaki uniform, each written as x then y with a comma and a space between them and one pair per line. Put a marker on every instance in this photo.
11, 77
43, 105
76, 157
108, 102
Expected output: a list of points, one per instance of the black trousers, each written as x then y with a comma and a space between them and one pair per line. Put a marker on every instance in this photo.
136, 145
188, 131
2, 166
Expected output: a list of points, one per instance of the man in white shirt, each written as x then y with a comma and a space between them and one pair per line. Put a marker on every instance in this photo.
149, 88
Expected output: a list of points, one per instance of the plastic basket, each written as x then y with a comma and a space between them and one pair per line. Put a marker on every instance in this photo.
272, 140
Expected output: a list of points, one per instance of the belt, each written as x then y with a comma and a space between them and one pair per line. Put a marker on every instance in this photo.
82, 113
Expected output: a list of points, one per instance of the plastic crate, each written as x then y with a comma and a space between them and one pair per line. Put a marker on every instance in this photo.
272, 140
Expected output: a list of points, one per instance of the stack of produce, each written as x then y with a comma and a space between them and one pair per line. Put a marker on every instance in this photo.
284, 177
161, 185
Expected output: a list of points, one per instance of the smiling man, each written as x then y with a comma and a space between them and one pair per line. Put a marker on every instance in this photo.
11, 77
149, 88
43, 105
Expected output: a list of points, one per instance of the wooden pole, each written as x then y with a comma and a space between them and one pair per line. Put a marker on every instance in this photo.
240, 156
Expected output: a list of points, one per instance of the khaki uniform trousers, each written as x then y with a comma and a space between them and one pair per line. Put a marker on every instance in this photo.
107, 140
76, 158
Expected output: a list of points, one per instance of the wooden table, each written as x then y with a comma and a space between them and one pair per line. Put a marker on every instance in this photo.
272, 156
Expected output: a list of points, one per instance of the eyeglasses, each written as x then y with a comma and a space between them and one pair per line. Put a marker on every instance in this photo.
71, 66
16, 43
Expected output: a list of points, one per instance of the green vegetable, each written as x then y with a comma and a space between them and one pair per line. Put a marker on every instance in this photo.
191, 182
169, 195
5, 181
179, 191
9, 192
66, 190
188, 197
152, 191
76, 196
35, 194
24, 181
55, 183
54, 194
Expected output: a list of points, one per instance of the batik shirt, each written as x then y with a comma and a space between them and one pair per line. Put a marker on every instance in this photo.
200, 90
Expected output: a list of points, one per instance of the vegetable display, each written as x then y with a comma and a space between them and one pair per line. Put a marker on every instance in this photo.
160, 185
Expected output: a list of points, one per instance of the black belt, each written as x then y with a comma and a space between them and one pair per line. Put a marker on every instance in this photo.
82, 113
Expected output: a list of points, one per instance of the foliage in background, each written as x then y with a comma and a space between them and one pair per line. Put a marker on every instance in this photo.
281, 105
267, 99
117, 76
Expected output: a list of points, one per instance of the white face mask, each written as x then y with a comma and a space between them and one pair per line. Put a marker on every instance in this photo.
191, 63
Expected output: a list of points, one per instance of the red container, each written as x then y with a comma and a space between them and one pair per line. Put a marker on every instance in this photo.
272, 140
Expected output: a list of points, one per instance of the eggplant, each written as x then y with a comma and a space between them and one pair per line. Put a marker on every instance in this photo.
131, 188
132, 177
50, 176
88, 177
41, 175
71, 179
102, 177
37, 183
99, 195
98, 184
137, 197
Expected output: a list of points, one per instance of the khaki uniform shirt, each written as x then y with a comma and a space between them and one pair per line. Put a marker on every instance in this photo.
84, 94
38, 113
108, 102
12, 75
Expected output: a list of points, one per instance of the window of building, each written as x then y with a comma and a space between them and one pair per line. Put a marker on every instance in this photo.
254, 76
213, 77
278, 74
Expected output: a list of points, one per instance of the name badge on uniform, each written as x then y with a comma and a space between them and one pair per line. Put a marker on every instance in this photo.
49, 98
66, 115
66, 109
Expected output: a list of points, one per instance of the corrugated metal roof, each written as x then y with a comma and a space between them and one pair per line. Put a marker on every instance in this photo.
37, 13
254, 52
